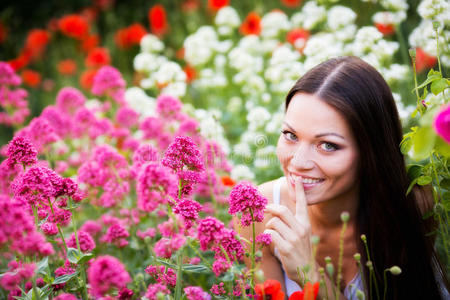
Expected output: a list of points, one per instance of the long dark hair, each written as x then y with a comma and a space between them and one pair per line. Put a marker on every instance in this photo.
389, 218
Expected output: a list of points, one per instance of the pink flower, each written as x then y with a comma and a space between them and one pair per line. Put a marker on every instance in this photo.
232, 246
188, 179
32, 244
218, 289
20, 150
60, 216
49, 228
65, 296
40, 132
156, 185
220, 265
441, 123
196, 293
109, 82
86, 241
91, 227
142, 155
58, 120
149, 232
127, 117
183, 153
209, 231
125, 294
60, 272
162, 248
168, 107
8, 76
18, 272
264, 239
70, 100
116, 234
106, 273
156, 289
244, 198
188, 209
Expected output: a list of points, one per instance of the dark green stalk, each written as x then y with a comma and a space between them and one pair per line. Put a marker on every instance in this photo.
385, 283
252, 272
179, 275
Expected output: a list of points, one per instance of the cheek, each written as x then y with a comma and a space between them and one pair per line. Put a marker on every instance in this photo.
282, 152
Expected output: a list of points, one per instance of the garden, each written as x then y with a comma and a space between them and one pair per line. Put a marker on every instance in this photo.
135, 133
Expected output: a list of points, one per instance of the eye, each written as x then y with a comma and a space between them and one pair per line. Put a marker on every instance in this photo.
289, 135
329, 147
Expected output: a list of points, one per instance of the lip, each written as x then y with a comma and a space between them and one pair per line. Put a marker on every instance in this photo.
306, 186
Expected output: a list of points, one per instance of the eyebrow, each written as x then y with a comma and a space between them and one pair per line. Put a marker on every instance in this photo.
317, 135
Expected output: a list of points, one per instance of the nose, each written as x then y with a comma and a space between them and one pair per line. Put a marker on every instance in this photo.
302, 158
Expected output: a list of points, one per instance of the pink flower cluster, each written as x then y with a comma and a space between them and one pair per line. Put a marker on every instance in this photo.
245, 199
106, 274
85, 240
14, 106
196, 293
16, 274
162, 275
21, 151
109, 82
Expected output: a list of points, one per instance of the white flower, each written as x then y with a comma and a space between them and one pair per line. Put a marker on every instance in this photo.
242, 149
365, 39
395, 73
241, 172
227, 17
273, 23
395, 5
385, 50
424, 36
151, 43
340, 16
169, 72
234, 104
310, 16
199, 46
254, 85
257, 117
146, 62
346, 33
176, 89
274, 125
284, 54
265, 157
138, 100
433, 9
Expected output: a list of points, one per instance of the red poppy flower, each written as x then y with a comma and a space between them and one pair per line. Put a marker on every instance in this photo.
67, 67
36, 42
270, 289
74, 26
298, 38
291, 3
31, 78
21, 61
385, 29
89, 43
128, 37
251, 24
424, 60
97, 57
87, 78
217, 4
89, 13
3, 32
227, 181
158, 20
310, 292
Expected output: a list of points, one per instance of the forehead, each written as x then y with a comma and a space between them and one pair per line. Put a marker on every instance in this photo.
309, 112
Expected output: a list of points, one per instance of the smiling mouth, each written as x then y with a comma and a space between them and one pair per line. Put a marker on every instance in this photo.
307, 182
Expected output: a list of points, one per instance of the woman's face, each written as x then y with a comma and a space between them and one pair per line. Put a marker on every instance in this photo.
317, 144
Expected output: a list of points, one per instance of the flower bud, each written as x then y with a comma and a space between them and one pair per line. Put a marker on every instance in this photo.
327, 259
160, 296
147, 240
436, 25
260, 275
345, 216
315, 239
330, 269
357, 257
412, 53
139, 277
369, 264
360, 295
363, 238
395, 270
258, 254
321, 271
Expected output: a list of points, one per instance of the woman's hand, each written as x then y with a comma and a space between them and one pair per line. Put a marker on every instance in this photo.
291, 235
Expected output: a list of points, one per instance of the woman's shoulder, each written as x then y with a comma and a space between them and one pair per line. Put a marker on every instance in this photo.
266, 189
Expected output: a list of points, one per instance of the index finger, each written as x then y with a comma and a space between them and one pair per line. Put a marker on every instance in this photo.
301, 208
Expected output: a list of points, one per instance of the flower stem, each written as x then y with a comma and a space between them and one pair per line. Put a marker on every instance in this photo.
385, 283
252, 272
59, 228
179, 275
341, 255
84, 294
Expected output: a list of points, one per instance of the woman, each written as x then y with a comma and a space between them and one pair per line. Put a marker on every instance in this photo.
339, 151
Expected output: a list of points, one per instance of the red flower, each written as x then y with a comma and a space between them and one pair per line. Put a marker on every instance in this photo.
270, 289
103, 4
21, 61
298, 38
3, 32
227, 181
89, 43
31, 78
97, 57
67, 67
291, 3
127, 37
310, 292
90, 14
215, 5
87, 78
385, 29
424, 60
36, 42
74, 26
251, 24
158, 20
190, 73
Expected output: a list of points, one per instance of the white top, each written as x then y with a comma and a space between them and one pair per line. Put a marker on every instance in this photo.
291, 286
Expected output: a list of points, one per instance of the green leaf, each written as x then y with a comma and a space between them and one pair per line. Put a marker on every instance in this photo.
445, 183
424, 180
414, 171
438, 86
74, 255
86, 257
167, 264
406, 145
442, 147
195, 268
64, 278
229, 276
411, 185
423, 143
42, 266
430, 78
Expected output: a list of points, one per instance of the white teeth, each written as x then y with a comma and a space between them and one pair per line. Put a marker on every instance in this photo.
306, 180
